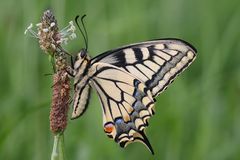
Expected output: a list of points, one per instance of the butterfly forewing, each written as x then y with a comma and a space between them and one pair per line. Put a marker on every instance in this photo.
156, 63
81, 99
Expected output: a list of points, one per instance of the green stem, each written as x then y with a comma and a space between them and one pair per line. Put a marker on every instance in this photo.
58, 147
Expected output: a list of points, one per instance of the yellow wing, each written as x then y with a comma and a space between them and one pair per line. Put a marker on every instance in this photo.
126, 102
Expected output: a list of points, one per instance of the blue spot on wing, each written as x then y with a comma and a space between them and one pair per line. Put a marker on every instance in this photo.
136, 82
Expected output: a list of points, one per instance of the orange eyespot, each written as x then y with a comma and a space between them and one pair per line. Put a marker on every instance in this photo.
108, 128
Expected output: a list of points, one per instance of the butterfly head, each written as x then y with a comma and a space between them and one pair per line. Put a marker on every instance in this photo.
82, 54
81, 58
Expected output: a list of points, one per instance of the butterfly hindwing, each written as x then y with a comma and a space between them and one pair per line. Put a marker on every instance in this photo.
156, 63
126, 102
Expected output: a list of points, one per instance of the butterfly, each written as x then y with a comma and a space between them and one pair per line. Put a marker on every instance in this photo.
128, 80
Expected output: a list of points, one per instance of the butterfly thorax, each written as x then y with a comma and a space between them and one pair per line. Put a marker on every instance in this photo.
81, 66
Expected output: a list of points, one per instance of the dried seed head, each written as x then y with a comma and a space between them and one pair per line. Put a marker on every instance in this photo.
48, 34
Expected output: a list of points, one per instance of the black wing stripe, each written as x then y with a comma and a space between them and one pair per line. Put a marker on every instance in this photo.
138, 54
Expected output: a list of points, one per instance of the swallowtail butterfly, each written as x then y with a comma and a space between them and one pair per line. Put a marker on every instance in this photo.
127, 81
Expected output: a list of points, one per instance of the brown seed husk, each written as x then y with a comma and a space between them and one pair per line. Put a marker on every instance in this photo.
60, 102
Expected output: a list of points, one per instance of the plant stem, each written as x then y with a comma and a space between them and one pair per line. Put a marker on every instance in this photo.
58, 147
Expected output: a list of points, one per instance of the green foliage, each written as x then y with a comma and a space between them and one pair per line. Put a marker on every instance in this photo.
197, 117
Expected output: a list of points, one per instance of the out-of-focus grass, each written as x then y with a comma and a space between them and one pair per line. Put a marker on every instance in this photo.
197, 117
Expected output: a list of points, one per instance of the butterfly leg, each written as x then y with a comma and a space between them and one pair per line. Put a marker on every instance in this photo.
70, 71
72, 62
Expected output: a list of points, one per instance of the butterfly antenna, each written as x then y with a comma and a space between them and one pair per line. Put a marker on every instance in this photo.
84, 31
84, 28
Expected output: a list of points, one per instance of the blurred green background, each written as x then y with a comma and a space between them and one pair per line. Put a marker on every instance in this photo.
197, 118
